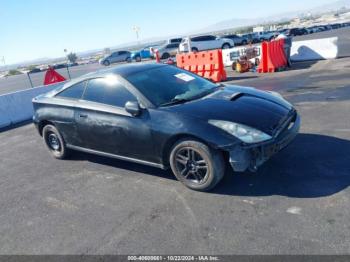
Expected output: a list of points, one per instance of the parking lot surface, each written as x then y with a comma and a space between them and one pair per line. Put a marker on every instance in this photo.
297, 203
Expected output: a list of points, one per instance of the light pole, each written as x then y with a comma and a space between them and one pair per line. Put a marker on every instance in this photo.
65, 53
136, 29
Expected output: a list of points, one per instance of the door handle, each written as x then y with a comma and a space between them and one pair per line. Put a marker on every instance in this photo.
83, 116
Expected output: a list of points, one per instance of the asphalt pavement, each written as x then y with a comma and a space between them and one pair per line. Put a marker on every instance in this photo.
297, 203
20, 82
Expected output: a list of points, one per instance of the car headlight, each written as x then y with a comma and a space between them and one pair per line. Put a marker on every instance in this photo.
245, 133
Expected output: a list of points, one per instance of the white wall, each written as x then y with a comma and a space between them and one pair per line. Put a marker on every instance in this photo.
316, 49
17, 107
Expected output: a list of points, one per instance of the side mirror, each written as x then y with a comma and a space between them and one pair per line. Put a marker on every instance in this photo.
133, 108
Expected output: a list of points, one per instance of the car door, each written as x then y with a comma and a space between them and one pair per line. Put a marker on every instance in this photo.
104, 126
122, 56
64, 116
114, 57
196, 42
211, 42
172, 49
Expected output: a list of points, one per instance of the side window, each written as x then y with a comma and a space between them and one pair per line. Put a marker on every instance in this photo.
173, 46
210, 38
107, 91
175, 40
196, 39
73, 92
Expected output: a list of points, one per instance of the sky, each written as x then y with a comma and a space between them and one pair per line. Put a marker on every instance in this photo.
33, 29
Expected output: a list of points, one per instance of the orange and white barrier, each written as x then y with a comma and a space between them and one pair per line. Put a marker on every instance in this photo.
208, 64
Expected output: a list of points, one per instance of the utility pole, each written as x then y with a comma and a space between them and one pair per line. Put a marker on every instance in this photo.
136, 29
65, 53
3, 61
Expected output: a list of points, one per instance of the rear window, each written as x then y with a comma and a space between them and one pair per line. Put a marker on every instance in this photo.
74, 92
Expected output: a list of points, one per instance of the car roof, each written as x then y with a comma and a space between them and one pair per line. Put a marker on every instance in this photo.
124, 69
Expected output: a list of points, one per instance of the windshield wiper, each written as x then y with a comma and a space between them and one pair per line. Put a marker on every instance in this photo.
175, 101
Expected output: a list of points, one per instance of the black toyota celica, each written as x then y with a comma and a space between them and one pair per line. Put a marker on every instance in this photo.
163, 116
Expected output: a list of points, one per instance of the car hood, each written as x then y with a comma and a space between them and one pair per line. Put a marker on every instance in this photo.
249, 106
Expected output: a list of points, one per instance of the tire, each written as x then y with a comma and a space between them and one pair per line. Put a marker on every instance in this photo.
226, 46
244, 42
138, 59
128, 60
196, 165
54, 142
194, 49
106, 63
165, 56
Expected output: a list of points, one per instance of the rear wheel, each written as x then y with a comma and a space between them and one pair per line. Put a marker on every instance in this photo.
106, 63
196, 165
226, 46
194, 49
165, 56
54, 142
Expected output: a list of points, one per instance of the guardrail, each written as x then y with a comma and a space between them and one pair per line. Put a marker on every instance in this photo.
17, 107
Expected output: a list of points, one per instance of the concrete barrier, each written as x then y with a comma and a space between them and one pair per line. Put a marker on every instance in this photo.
233, 54
317, 49
17, 107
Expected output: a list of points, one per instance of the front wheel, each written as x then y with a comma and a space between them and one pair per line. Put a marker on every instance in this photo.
138, 58
165, 56
54, 142
106, 63
196, 165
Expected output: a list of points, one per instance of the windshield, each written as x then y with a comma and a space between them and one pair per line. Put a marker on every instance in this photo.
168, 84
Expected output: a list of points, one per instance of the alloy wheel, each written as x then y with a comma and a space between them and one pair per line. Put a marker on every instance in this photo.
53, 142
191, 165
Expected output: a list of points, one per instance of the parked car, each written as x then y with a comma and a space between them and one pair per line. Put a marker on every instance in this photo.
168, 50
266, 36
238, 40
59, 66
336, 26
205, 42
252, 38
34, 70
315, 29
296, 32
70, 64
144, 53
115, 57
163, 116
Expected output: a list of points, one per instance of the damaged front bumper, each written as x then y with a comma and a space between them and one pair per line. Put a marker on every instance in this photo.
250, 157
